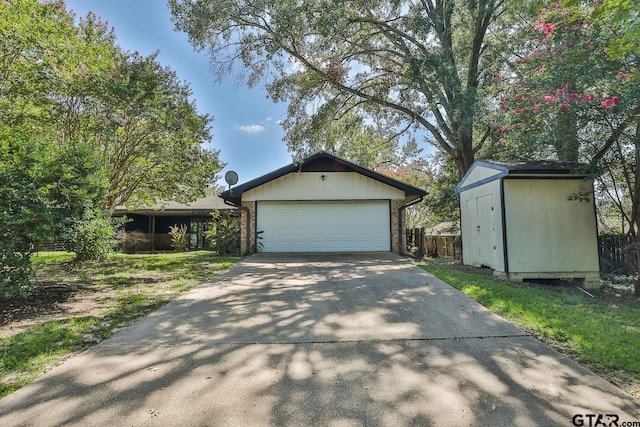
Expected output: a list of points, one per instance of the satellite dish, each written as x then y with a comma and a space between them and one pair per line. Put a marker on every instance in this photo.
231, 177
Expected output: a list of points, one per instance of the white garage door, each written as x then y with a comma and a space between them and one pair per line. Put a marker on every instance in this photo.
326, 226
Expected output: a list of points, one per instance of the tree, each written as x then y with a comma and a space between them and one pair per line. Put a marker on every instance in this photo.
47, 190
74, 78
150, 134
565, 89
84, 126
417, 65
577, 88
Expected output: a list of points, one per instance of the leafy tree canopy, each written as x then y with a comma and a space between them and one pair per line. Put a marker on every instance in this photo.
415, 65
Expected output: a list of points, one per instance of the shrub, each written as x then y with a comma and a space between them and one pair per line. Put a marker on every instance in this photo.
224, 233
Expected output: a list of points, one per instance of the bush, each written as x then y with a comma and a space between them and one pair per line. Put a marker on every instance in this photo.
224, 233
16, 274
92, 237
133, 241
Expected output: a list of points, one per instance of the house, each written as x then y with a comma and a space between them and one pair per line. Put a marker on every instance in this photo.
323, 204
151, 225
529, 220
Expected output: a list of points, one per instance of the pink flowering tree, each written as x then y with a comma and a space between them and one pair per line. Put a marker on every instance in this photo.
565, 97
575, 96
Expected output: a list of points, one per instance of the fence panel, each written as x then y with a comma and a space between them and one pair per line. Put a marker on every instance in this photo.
614, 249
422, 244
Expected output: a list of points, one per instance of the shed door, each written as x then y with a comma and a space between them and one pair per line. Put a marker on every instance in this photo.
324, 226
482, 233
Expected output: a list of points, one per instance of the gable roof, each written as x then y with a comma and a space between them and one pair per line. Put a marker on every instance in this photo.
319, 162
521, 168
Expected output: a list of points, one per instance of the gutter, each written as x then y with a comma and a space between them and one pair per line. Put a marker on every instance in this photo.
248, 212
400, 230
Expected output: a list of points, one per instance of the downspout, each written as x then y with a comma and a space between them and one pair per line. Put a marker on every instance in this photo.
248, 212
400, 230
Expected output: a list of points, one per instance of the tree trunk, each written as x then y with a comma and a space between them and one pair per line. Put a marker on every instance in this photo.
566, 136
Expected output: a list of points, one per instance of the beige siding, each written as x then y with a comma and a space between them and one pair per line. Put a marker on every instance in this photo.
335, 186
546, 231
478, 173
481, 219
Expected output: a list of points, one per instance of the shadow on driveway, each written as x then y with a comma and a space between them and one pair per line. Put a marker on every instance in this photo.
318, 339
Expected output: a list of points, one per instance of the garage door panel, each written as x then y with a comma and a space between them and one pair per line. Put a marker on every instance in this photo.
324, 226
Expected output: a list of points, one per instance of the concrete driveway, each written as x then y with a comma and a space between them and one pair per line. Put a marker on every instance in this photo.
319, 340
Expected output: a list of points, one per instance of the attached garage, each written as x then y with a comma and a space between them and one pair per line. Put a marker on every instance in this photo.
323, 204
325, 226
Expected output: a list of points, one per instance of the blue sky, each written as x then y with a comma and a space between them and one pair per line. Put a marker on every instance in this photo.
245, 127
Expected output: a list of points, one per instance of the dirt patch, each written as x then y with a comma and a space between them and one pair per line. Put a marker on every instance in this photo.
49, 301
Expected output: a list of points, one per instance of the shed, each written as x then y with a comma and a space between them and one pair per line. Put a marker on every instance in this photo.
530, 220
322, 204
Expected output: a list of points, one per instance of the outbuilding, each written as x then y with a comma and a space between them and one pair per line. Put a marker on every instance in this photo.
322, 204
530, 220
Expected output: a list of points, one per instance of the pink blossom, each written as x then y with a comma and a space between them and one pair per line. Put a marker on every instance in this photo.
575, 96
497, 75
549, 27
588, 41
549, 99
5, 2
536, 107
561, 91
610, 102
504, 107
586, 98
564, 105
624, 75
502, 140
520, 97
519, 111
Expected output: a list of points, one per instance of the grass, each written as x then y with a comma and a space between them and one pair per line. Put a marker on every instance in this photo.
105, 295
601, 332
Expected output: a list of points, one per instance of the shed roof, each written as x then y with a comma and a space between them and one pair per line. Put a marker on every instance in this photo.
320, 162
518, 169
202, 206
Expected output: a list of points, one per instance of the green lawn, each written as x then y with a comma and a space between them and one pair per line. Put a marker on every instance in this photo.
106, 295
602, 332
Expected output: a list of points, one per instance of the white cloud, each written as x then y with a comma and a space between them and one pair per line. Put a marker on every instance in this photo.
251, 129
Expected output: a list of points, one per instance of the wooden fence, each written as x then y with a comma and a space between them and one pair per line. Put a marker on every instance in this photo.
614, 249
421, 244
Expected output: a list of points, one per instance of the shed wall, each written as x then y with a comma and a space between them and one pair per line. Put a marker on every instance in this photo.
334, 186
546, 232
481, 226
